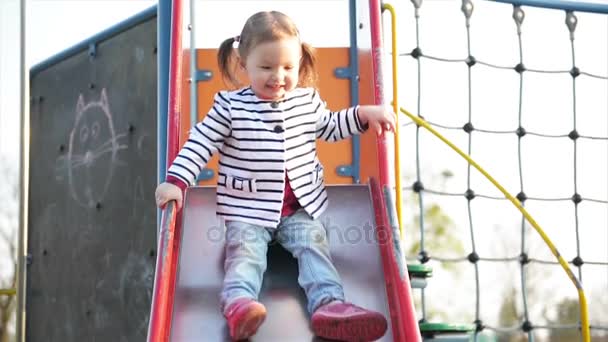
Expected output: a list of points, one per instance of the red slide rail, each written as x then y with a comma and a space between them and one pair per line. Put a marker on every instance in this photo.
403, 314
161, 313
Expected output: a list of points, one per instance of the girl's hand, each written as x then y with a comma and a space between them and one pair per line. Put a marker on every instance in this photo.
378, 118
166, 192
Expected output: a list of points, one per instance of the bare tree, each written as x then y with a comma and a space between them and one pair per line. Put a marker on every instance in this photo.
8, 245
8, 300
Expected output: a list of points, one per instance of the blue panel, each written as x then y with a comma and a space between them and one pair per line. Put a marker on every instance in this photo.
569, 5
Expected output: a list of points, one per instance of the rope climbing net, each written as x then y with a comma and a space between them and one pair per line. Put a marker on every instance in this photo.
522, 87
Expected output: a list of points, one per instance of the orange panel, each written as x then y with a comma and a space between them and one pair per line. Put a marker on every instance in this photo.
334, 91
369, 152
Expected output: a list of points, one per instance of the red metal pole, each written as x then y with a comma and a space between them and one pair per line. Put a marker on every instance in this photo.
406, 328
376, 35
160, 315
175, 82
170, 234
391, 272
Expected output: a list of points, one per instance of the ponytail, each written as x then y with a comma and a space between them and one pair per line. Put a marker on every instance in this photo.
226, 61
308, 72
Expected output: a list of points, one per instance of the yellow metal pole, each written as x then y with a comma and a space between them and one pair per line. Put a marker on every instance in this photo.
395, 54
579, 288
8, 292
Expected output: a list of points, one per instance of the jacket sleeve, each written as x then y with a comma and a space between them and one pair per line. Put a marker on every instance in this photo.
205, 139
334, 126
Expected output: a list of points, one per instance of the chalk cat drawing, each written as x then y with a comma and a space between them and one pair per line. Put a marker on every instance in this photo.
93, 151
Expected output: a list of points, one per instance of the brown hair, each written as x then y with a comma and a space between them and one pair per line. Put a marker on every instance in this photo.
260, 28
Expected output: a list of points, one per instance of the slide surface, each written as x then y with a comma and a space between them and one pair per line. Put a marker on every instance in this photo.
355, 252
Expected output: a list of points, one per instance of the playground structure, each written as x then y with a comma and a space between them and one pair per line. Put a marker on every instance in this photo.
188, 268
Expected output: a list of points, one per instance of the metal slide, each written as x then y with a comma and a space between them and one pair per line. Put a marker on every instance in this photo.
355, 251
189, 272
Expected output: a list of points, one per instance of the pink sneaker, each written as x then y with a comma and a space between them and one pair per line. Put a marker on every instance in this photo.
244, 317
347, 322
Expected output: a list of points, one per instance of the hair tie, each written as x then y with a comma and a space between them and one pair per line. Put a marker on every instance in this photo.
237, 39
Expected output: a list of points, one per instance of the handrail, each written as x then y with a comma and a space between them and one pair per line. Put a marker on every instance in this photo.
169, 240
395, 53
406, 329
159, 328
579, 288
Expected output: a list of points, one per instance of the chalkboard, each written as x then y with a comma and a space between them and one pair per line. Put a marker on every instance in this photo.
92, 219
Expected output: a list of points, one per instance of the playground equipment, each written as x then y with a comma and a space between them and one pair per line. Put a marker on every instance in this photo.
74, 227
167, 320
385, 165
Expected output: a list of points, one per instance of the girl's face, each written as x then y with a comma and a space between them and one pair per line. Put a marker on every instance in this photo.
273, 67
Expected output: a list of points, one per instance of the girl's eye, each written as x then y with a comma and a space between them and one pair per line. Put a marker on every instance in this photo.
289, 67
265, 67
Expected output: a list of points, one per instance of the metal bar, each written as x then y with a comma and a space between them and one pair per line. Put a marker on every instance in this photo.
133, 21
175, 81
24, 166
8, 292
196, 75
384, 238
405, 325
163, 45
395, 101
568, 5
159, 329
354, 88
193, 68
170, 236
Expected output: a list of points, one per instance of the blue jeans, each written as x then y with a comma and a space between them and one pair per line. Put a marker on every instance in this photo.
303, 237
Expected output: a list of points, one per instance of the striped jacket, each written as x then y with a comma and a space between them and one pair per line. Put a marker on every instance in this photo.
258, 141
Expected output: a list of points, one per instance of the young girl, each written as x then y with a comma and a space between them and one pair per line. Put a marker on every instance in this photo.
270, 180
